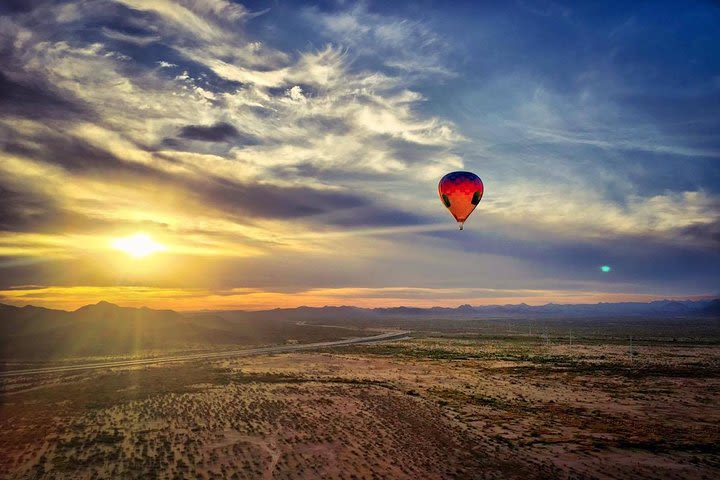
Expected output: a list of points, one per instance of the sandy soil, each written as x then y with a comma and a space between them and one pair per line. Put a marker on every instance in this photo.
426, 408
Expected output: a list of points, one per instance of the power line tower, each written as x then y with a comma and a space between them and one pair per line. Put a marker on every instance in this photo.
546, 338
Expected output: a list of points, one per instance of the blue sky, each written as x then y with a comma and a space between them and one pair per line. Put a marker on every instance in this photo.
288, 152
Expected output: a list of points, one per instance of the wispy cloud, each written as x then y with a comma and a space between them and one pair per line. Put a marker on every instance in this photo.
406, 45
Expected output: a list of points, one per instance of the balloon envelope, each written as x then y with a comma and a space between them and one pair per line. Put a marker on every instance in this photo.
460, 192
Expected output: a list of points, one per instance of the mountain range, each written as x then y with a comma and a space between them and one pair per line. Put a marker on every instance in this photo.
659, 308
104, 328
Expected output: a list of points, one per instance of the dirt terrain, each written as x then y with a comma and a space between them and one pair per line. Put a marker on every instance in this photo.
461, 406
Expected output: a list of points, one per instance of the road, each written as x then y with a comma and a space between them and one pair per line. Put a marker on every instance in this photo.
385, 337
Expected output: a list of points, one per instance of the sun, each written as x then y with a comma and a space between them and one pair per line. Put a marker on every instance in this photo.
139, 245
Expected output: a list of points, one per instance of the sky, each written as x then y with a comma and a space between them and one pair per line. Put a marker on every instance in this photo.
276, 153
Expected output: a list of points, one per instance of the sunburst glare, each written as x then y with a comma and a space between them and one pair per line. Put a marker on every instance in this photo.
139, 245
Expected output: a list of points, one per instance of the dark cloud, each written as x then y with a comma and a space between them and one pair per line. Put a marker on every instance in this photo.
376, 216
21, 211
219, 132
71, 153
217, 139
36, 101
27, 211
259, 200
271, 201
704, 232
22, 6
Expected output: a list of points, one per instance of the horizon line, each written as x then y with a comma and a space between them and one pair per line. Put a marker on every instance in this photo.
688, 298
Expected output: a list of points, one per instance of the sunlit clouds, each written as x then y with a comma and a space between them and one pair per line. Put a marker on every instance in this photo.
221, 155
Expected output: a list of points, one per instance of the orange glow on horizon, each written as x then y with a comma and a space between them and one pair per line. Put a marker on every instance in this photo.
71, 298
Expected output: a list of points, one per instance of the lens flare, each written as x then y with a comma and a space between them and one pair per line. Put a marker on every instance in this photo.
139, 245
605, 268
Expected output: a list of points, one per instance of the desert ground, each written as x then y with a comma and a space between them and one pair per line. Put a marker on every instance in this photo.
438, 405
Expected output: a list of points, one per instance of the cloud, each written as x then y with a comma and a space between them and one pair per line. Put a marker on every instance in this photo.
202, 18
21, 6
397, 43
72, 154
137, 39
706, 232
375, 216
219, 132
38, 102
20, 210
270, 201
296, 93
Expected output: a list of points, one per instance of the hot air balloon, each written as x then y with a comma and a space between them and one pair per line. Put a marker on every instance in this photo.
460, 192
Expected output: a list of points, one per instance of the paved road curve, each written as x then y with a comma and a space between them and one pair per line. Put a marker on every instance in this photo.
202, 356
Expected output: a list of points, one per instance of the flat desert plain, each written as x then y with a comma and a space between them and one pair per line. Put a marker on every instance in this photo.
461, 406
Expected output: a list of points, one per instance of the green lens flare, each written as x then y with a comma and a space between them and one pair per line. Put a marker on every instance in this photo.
605, 268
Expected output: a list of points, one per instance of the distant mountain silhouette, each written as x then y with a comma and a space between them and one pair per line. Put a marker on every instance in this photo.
108, 329
660, 308
110, 312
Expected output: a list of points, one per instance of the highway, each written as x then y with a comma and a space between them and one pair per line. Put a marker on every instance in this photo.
385, 337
